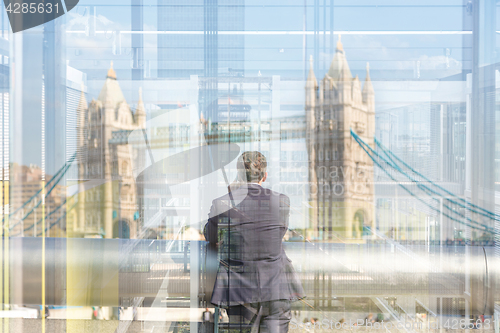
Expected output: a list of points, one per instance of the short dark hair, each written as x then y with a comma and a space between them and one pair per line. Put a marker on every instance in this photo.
252, 166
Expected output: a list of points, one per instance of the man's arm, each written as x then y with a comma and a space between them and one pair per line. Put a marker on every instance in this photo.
284, 210
211, 228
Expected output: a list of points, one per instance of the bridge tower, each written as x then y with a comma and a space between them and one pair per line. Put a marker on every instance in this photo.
340, 172
107, 199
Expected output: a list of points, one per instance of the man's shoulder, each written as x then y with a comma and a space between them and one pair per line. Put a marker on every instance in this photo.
251, 191
222, 200
231, 198
284, 199
271, 193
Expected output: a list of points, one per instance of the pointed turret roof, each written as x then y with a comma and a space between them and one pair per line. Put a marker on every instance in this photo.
368, 87
339, 68
82, 103
111, 91
141, 110
111, 72
311, 77
203, 121
81, 113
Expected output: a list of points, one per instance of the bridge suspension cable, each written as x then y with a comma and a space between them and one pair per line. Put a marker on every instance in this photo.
56, 179
479, 210
377, 158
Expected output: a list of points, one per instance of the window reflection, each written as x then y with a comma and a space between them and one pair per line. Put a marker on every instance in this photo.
122, 124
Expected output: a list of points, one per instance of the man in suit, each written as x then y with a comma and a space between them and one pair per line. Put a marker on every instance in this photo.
255, 280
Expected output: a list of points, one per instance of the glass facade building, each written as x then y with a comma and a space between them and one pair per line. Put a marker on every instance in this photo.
123, 128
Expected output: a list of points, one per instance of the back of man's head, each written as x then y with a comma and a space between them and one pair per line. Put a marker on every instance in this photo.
252, 167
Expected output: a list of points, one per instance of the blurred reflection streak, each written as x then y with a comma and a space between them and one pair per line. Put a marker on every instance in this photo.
190, 164
373, 269
291, 32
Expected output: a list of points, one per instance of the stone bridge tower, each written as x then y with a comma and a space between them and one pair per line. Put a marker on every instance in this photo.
340, 172
107, 198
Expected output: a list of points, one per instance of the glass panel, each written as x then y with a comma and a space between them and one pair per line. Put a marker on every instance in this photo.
223, 166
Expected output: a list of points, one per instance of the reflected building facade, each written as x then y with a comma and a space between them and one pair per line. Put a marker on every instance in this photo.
340, 172
28, 218
186, 52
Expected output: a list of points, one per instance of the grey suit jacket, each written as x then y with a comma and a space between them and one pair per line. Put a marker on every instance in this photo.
253, 265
